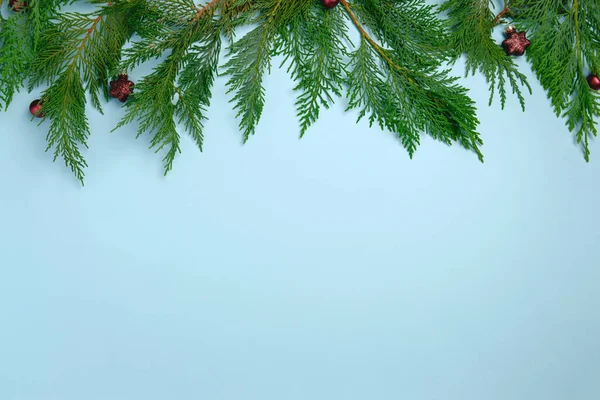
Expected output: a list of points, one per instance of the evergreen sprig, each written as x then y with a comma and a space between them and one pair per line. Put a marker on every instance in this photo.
250, 57
16, 55
179, 88
405, 91
471, 23
313, 44
565, 38
393, 74
81, 52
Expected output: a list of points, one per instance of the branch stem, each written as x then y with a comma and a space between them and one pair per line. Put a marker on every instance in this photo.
202, 10
366, 35
580, 62
501, 14
87, 36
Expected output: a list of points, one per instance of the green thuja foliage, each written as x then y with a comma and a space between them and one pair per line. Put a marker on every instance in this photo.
385, 59
250, 57
401, 86
80, 53
313, 46
565, 48
20, 36
471, 24
16, 55
179, 88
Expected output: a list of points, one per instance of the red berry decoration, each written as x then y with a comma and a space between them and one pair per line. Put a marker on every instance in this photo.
515, 43
121, 88
17, 5
35, 108
330, 3
594, 82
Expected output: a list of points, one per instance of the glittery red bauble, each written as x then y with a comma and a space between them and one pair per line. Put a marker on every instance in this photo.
594, 81
35, 108
121, 88
330, 3
515, 43
17, 5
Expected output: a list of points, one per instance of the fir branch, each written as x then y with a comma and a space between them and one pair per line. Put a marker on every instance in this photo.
313, 45
16, 55
164, 23
250, 57
471, 24
408, 105
562, 46
393, 76
64, 105
408, 101
195, 85
82, 51
40, 13
234, 13
367, 37
20, 37
152, 106
186, 75
411, 28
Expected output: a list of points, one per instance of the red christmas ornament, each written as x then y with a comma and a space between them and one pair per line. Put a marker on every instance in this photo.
330, 3
515, 43
121, 88
594, 82
35, 108
17, 5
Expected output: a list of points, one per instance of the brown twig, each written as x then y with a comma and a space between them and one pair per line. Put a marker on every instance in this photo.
202, 10
369, 39
236, 11
501, 14
366, 35
86, 38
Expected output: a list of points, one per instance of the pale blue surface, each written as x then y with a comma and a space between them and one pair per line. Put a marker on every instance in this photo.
331, 267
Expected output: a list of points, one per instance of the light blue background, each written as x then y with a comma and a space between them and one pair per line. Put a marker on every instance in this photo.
331, 267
